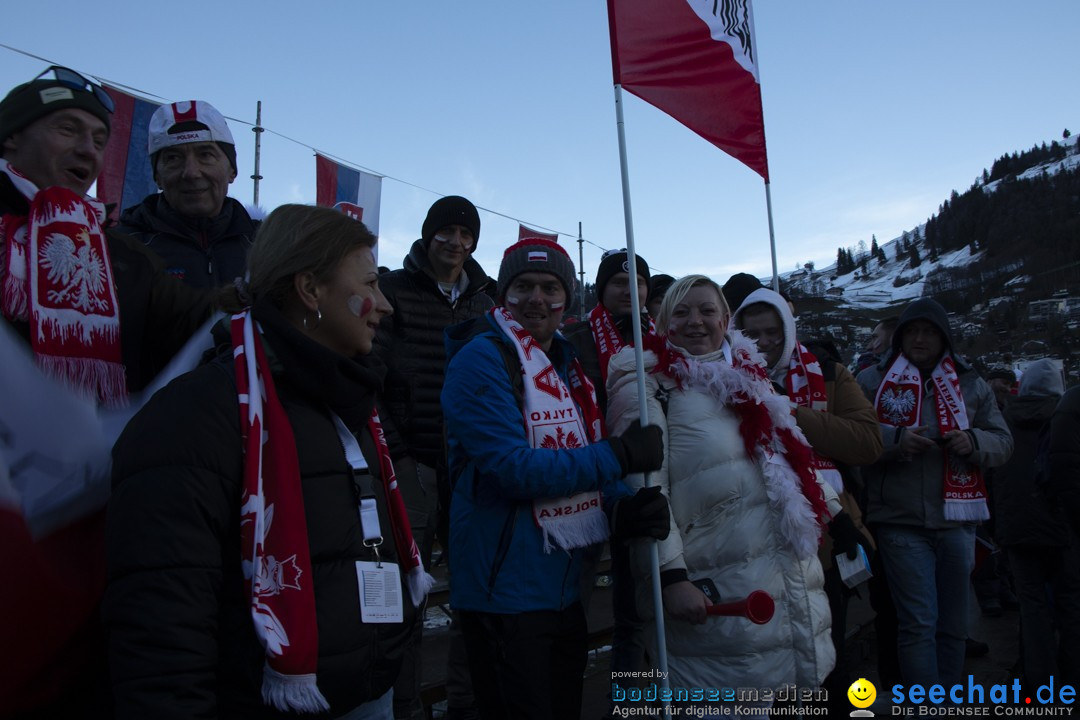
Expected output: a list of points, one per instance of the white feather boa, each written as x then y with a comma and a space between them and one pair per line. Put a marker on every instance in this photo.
722, 380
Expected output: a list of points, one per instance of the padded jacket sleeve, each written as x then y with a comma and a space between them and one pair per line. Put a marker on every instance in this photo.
848, 432
485, 423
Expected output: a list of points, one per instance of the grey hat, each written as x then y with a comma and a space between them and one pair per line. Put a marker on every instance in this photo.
536, 255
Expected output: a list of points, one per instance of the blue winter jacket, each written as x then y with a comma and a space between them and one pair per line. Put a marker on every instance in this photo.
497, 560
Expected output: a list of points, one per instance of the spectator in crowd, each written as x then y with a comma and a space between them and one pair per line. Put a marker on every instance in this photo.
1063, 462
236, 518
747, 507
879, 344
439, 285
738, 287
841, 427
1039, 542
201, 235
529, 469
609, 328
111, 319
658, 287
1002, 381
941, 429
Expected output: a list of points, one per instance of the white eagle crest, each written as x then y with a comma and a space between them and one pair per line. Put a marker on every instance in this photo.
79, 271
898, 404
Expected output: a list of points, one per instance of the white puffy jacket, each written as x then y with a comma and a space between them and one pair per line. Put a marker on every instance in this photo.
725, 527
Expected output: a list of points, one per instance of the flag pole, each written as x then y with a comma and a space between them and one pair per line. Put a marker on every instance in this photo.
772, 239
258, 130
581, 264
643, 409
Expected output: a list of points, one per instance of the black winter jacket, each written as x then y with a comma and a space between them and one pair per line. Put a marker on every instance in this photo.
201, 252
1063, 483
157, 313
181, 640
411, 344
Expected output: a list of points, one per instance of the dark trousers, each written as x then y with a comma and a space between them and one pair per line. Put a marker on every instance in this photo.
527, 666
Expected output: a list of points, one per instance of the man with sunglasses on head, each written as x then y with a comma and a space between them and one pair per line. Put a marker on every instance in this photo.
200, 233
100, 317
439, 285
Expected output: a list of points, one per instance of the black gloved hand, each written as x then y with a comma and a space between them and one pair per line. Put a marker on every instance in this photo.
639, 449
643, 514
845, 536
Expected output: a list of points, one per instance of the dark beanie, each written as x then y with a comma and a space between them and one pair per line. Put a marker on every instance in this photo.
536, 255
738, 287
614, 262
37, 98
450, 210
659, 285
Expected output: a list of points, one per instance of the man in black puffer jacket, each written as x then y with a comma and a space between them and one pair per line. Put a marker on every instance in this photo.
200, 233
440, 285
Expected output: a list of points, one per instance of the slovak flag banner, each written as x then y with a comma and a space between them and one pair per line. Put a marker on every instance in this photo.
126, 176
527, 232
357, 193
695, 60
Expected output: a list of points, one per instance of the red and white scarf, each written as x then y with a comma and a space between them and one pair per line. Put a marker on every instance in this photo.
607, 338
806, 388
899, 404
769, 433
56, 275
274, 538
553, 421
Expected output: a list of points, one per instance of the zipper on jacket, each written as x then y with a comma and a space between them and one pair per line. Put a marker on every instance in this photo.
503, 548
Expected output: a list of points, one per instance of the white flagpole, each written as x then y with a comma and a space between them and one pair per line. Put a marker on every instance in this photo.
643, 409
772, 240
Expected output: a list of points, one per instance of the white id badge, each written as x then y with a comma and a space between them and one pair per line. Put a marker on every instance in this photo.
380, 592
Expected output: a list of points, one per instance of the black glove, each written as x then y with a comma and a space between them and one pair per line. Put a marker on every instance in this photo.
639, 449
845, 536
643, 514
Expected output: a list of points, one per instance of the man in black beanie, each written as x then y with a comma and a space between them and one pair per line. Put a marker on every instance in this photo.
439, 285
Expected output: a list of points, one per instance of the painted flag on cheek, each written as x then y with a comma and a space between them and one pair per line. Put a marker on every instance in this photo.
354, 192
126, 176
696, 60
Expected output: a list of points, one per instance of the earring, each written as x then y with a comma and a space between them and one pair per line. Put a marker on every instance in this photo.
318, 319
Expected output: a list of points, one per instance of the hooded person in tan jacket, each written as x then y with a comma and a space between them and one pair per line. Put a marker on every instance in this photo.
840, 425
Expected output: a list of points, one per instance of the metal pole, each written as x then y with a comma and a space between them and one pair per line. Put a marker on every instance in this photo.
772, 240
258, 130
581, 265
643, 409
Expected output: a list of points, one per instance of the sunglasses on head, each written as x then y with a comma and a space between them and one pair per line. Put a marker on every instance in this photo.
70, 78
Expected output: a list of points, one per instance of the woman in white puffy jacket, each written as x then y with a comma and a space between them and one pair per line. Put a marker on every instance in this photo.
747, 510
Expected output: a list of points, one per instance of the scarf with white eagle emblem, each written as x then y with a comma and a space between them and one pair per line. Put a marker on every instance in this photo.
899, 404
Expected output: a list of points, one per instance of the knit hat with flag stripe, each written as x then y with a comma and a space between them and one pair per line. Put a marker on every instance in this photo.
536, 255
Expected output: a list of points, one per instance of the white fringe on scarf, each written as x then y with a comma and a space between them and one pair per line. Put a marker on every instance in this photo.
292, 693
722, 381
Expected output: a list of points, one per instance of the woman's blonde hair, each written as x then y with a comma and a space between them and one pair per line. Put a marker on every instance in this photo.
677, 293
296, 239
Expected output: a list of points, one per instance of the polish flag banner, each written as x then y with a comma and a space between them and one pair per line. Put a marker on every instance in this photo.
353, 192
696, 61
126, 176
525, 232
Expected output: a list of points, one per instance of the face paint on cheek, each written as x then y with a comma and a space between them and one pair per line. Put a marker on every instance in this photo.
558, 305
359, 306
511, 300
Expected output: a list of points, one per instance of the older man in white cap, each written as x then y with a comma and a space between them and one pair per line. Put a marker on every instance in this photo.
200, 233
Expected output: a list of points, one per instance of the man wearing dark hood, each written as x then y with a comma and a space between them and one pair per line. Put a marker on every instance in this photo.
941, 428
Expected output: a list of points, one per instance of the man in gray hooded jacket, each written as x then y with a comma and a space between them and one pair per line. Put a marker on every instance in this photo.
941, 428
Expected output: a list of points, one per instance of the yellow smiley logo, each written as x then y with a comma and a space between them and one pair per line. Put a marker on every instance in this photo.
862, 693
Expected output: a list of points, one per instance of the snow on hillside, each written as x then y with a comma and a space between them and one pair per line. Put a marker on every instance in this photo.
895, 281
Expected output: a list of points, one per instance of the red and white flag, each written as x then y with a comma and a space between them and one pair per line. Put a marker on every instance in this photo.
527, 232
695, 60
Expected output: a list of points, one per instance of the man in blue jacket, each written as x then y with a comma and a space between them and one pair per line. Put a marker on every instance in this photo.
534, 483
